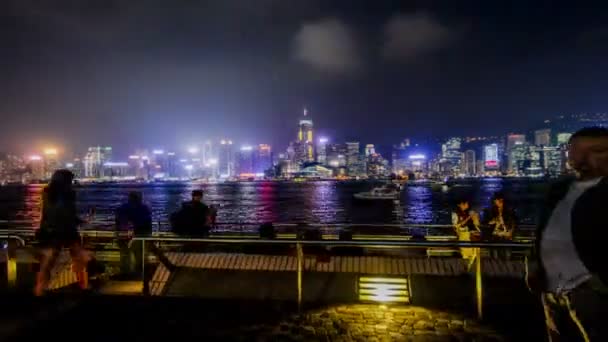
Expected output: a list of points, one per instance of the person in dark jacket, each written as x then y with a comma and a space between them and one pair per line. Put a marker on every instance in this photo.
59, 229
569, 271
193, 219
499, 223
135, 218
499, 219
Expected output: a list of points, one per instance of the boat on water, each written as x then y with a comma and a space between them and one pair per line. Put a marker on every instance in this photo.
386, 192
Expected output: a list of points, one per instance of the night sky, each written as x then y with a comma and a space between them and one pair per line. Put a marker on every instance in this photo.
171, 73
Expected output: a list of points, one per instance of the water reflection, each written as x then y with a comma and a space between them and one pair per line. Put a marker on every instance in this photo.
322, 202
418, 205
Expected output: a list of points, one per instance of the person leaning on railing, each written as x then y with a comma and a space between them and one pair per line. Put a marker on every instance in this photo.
135, 218
569, 271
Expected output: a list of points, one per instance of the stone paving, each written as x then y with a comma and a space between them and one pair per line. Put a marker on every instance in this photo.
363, 322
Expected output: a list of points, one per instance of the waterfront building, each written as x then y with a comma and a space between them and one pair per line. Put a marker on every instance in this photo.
470, 163
322, 151
51, 162
563, 138
451, 156
542, 137
226, 159
305, 146
263, 159
513, 140
354, 162
36, 167
490, 157
245, 161
377, 167
369, 150
94, 160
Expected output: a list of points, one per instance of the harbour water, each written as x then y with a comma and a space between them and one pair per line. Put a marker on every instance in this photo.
287, 202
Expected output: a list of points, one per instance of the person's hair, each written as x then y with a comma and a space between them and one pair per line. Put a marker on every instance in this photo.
197, 193
60, 186
590, 132
135, 197
458, 202
498, 195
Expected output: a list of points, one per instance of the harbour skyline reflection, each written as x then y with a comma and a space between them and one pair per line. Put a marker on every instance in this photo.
258, 202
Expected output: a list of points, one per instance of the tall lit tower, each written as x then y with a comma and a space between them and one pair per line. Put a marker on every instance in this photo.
305, 136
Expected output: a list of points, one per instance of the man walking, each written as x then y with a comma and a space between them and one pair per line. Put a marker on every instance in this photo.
569, 272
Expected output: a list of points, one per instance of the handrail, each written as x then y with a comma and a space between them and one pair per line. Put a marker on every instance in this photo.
13, 237
359, 243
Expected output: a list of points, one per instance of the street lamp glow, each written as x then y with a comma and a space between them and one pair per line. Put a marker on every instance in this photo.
323, 140
193, 150
189, 167
50, 151
246, 148
212, 161
417, 156
158, 152
35, 158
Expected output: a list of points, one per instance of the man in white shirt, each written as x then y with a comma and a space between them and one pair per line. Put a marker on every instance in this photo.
571, 240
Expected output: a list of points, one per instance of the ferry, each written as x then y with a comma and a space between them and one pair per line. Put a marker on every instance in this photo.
386, 192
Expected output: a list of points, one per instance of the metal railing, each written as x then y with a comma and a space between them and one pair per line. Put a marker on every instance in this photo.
288, 230
364, 243
11, 261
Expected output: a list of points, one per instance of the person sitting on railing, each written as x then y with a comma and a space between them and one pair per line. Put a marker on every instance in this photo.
59, 229
499, 222
193, 218
135, 218
466, 226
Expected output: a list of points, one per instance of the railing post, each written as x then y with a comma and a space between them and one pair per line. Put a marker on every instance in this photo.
478, 284
11, 264
300, 256
144, 286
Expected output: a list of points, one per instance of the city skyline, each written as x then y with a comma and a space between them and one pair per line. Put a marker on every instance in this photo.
166, 74
541, 152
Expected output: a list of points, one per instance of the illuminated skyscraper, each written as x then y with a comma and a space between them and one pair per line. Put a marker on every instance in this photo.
354, 164
51, 162
490, 157
226, 159
369, 150
336, 155
245, 161
322, 151
542, 137
513, 140
305, 137
94, 160
263, 159
208, 154
563, 138
451, 156
36, 167
470, 163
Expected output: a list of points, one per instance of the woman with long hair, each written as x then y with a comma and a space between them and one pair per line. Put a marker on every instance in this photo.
500, 218
59, 229
466, 223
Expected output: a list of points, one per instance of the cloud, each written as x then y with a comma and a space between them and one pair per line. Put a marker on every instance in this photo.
327, 45
409, 37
